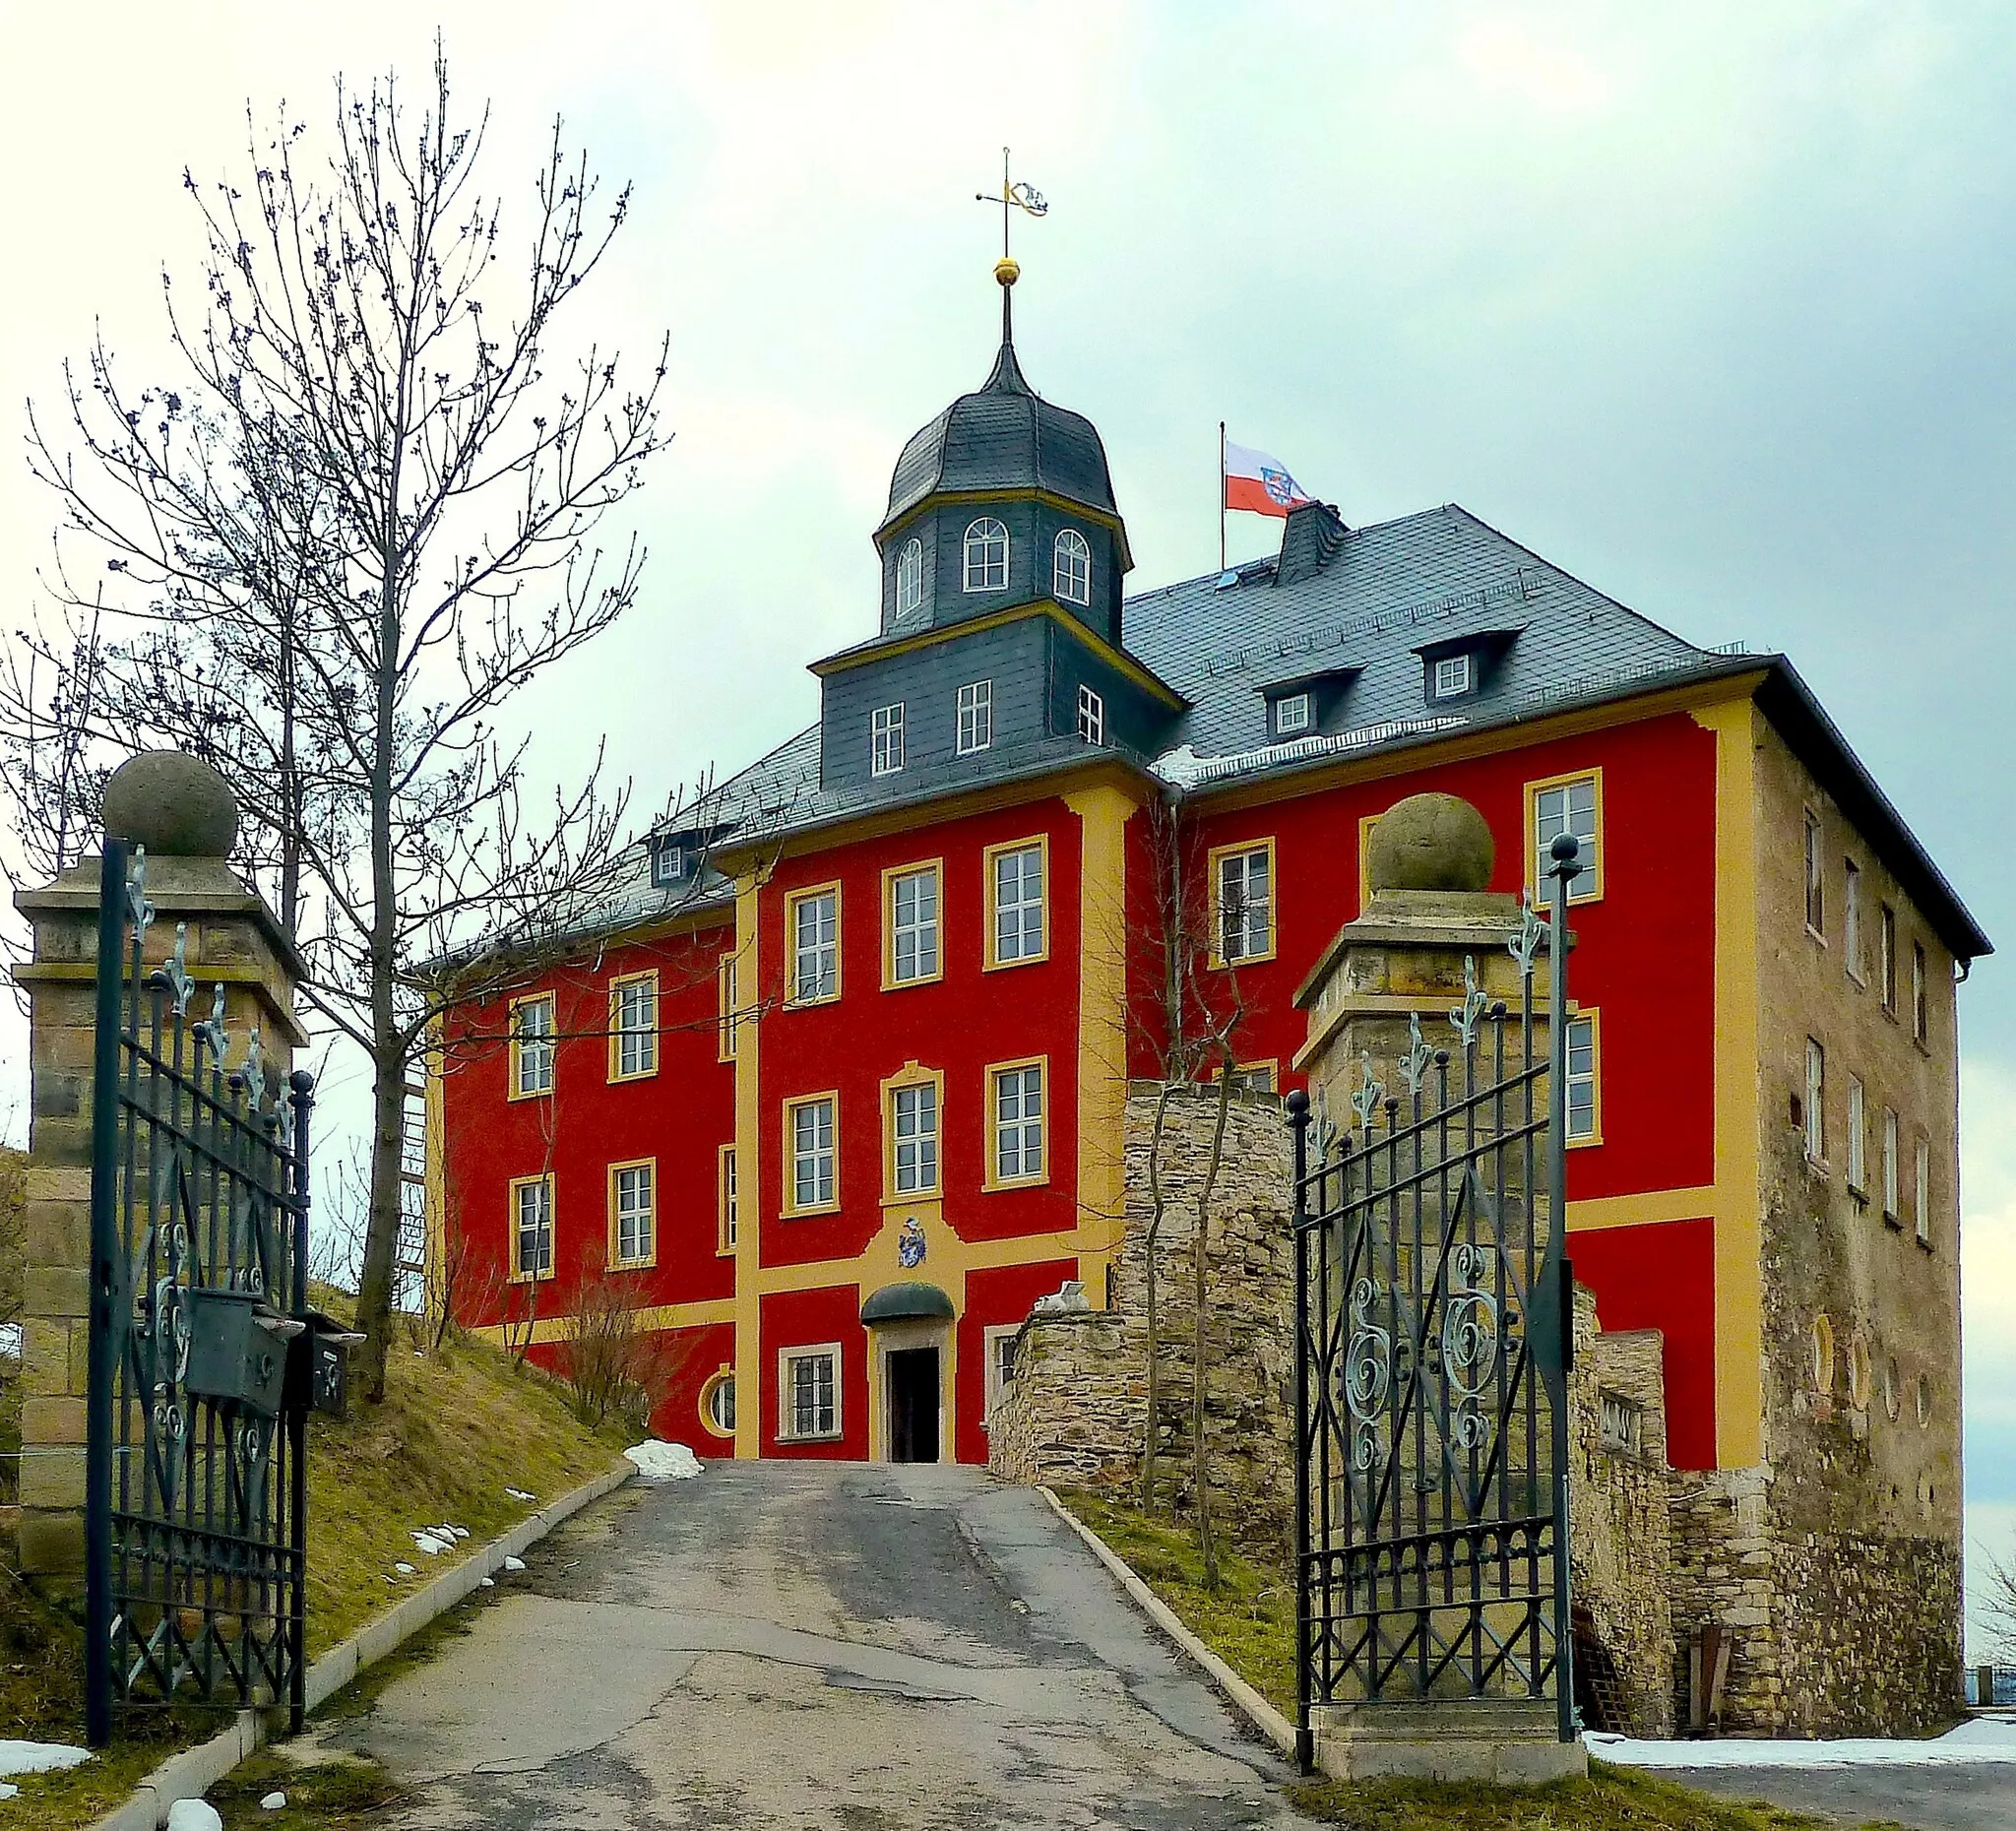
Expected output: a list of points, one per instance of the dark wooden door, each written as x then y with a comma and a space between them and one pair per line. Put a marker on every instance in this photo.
914, 1405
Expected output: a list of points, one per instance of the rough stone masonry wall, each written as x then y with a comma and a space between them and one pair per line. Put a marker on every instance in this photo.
1075, 1410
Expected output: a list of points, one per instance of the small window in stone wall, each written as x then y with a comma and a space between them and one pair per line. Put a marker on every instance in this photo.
1924, 1401
1622, 1425
1893, 1388
1823, 1356
1858, 1374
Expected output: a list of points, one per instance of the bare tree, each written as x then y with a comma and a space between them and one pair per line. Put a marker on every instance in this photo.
1998, 1604
358, 521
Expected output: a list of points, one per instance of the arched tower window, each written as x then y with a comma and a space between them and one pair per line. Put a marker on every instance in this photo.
1073, 569
986, 555
910, 578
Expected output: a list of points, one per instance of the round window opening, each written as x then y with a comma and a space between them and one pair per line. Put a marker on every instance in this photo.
1858, 1374
1823, 1354
717, 1405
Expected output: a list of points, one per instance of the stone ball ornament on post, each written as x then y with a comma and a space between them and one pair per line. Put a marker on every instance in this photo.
175, 806
1430, 842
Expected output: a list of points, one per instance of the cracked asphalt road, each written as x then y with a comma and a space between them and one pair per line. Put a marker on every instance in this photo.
807, 1644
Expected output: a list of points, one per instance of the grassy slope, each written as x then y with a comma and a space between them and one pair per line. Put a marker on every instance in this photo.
454, 1430
1249, 1622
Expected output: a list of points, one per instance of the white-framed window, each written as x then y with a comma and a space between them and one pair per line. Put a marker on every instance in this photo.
814, 917
809, 1392
1889, 1165
885, 739
1585, 1092
668, 863
1291, 715
633, 1214
986, 555
1016, 1115
910, 578
1000, 1342
531, 1046
1816, 876
1453, 674
531, 1227
1921, 1191
726, 1219
1858, 1138
975, 717
1567, 804
1817, 1102
1242, 889
1016, 929
1073, 568
1851, 918
913, 916
810, 1132
718, 1404
1092, 715
914, 1137
1920, 1012
633, 1026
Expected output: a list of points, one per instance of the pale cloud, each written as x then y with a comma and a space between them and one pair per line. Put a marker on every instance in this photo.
1551, 75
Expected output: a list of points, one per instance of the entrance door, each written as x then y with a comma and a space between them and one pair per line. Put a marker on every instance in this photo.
914, 1405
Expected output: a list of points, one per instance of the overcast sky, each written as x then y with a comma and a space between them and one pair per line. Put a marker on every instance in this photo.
1710, 304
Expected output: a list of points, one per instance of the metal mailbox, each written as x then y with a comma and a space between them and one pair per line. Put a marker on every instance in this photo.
318, 1368
238, 1350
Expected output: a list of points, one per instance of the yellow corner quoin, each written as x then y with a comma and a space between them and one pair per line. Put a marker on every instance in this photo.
1738, 1143
749, 1176
434, 1292
1102, 814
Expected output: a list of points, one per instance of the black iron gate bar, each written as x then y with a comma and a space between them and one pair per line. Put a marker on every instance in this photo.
1433, 1319
196, 1474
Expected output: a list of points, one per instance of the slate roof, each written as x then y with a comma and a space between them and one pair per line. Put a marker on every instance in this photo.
1003, 436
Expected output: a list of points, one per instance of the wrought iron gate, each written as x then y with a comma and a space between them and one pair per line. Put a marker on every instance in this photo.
1432, 1347
196, 1477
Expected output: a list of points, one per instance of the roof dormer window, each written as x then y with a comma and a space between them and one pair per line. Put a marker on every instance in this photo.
1073, 568
668, 863
910, 579
1454, 674
885, 734
986, 555
1291, 715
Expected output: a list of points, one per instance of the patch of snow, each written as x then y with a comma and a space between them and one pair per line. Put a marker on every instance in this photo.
461, 1532
658, 1461
1981, 1739
40, 1757
194, 1815
519, 1493
486, 1583
8, 1790
273, 1802
430, 1543
403, 1569
514, 1563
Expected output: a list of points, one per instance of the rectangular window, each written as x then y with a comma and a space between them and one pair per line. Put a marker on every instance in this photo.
1015, 928
813, 918
1291, 715
1566, 805
910, 914
1016, 1102
1253, 1078
1091, 717
668, 863
1886, 957
1585, 1093
1817, 866
809, 1140
1858, 1138
1851, 918
728, 998
886, 740
1920, 1011
1452, 675
1922, 1192
808, 1393
632, 1215
1816, 1093
1000, 1346
726, 1229
633, 1026
531, 1227
531, 1046
913, 1138
975, 717
1889, 1165
1242, 889
1621, 1424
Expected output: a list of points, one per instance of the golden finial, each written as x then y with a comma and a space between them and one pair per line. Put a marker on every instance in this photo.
1006, 271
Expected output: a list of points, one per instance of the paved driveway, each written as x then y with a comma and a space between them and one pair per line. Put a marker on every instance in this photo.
801, 1645
1930, 1799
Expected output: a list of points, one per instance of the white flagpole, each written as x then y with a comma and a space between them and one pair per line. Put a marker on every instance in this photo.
1221, 495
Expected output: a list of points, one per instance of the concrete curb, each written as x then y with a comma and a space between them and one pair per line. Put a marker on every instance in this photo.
1271, 1723
192, 1773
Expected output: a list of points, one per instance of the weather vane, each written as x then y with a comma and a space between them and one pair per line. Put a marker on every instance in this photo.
1013, 196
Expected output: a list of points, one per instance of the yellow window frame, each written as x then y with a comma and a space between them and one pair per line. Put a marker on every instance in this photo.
935, 868
514, 1089
911, 1074
990, 1177
1578, 1013
518, 1274
991, 959
793, 898
1212, 861
726, 994
648, 977
1589, 884
789, 1206
615, 1261
727, 1209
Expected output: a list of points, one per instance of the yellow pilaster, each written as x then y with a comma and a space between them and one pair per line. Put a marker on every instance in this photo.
749, 1172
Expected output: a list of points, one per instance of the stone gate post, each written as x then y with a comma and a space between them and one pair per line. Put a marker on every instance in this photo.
183, 812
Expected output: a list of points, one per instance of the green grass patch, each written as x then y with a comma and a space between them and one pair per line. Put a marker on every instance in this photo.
322, 1793
458, 1426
